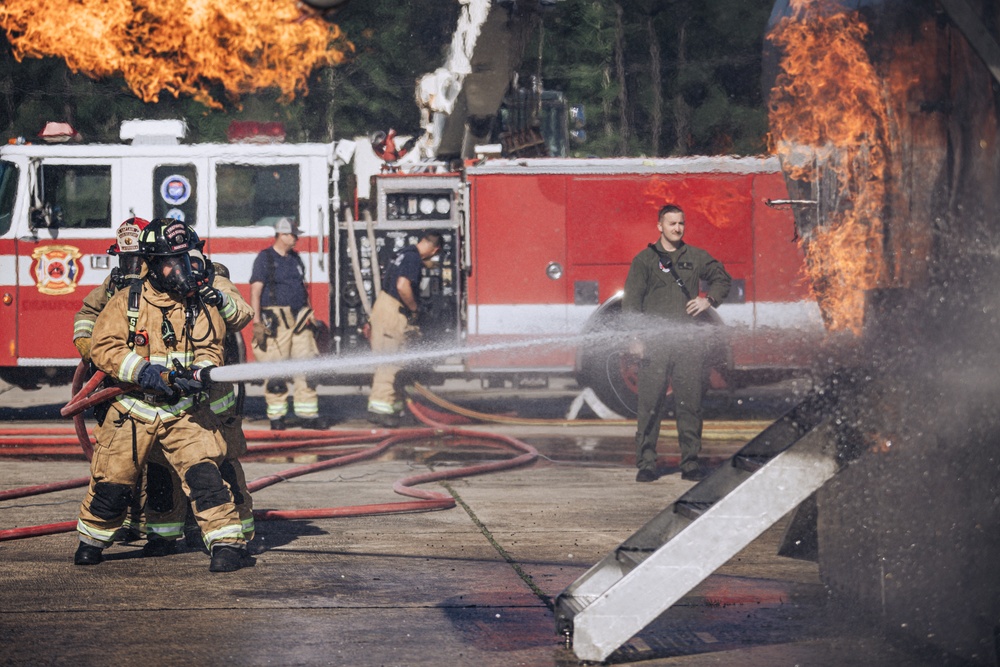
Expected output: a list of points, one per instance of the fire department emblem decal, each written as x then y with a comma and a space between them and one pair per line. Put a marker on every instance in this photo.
175, 189
56, 268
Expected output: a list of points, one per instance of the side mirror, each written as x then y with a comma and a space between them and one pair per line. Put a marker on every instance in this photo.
40, 218
46, 217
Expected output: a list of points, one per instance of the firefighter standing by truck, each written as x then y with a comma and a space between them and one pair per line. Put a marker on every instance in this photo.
662, 285
139, 335
394, 319
283, 325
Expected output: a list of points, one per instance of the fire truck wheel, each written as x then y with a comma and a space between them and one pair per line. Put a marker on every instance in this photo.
614, 376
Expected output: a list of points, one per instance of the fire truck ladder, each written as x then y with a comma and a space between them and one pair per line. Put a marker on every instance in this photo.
705, 527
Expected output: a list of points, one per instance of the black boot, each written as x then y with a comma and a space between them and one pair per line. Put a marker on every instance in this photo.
229, 558
277, 424
87, 554
316, 423
158, 547
382, 419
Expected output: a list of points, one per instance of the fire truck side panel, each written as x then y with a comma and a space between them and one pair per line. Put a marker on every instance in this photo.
9, 305
517, 287
614, 217
786, 318
58, 266
778, 258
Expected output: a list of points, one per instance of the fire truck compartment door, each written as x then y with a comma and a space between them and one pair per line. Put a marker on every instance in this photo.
519, 233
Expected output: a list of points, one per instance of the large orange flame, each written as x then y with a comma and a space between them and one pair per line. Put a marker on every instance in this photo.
829, 125
182, 47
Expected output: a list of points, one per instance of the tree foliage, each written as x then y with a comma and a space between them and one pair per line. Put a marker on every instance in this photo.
709, 66
705, 57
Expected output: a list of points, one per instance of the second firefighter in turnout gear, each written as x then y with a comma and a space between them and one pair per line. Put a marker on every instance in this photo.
283, 325
394, 320
144, 332
130, 267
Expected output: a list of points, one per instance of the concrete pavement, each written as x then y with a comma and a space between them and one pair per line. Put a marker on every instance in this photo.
467, 586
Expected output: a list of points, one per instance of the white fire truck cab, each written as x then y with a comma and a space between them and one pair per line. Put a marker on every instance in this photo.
61, 204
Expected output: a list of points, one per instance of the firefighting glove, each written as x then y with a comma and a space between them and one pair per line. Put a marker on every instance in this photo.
151, 379
83, 346
260, 336
189, 381
210, 296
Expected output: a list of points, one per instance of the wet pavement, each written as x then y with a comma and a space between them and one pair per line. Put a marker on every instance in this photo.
471, 585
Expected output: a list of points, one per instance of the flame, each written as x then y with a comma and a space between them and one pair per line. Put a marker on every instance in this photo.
829, 122
182, 47
721, 207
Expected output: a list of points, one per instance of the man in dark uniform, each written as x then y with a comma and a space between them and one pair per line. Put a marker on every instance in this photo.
662, 285
283, 325
393, 320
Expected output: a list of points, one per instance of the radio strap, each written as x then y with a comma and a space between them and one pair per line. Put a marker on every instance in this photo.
134, 295
667, 265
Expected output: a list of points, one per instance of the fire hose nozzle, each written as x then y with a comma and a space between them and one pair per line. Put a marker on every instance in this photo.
182, 375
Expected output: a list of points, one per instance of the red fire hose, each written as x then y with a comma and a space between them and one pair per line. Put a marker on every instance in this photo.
301, 440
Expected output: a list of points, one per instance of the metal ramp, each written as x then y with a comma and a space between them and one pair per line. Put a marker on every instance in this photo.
704, 528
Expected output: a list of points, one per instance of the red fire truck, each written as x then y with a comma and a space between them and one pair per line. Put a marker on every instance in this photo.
538, 250
535, 249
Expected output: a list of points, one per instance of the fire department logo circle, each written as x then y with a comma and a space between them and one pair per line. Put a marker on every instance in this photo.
175, 189
56, 269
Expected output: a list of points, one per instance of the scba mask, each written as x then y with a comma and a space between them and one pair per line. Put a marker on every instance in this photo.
129, 265
173, 274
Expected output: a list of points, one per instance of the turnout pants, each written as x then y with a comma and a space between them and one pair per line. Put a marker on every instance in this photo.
192, 445
390, 332
681, 366
165, 503
293, 339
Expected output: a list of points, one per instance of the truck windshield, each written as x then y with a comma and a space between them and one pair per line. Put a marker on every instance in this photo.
79, 194
8, 194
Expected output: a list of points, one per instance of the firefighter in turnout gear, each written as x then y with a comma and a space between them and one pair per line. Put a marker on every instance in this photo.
144, 332
394, 320
130, 267
215, 290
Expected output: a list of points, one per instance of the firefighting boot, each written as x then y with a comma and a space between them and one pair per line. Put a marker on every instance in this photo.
382, 419
157, 547
192, 532
87, 554
229, 558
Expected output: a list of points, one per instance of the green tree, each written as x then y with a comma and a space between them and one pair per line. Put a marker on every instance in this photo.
682, 77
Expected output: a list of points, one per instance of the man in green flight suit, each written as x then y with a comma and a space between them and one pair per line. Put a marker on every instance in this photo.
662, 285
